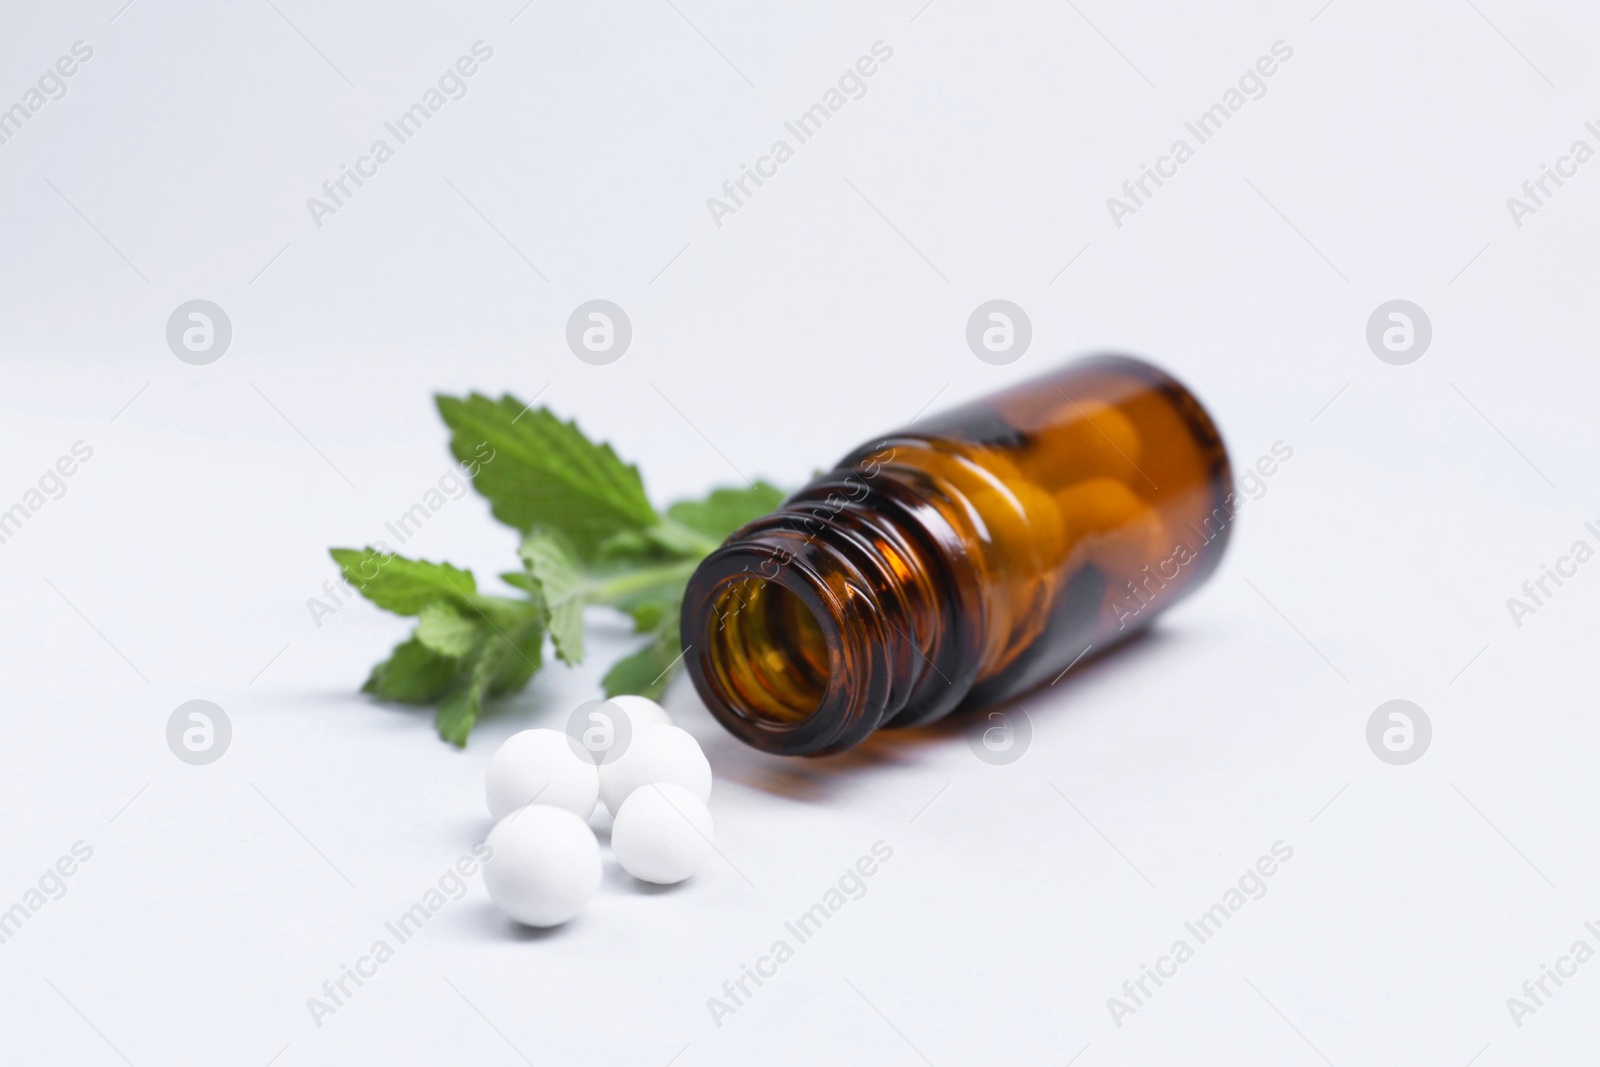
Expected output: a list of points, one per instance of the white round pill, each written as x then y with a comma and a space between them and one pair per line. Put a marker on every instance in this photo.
539, 767
642, 712
543, 866
656, 754
662, 834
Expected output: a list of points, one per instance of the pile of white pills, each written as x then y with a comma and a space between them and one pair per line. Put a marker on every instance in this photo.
543, 786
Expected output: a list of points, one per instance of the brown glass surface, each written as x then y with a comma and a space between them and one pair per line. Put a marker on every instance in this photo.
962, 560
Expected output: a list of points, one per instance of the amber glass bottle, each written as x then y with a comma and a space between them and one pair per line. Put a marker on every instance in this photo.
961, 560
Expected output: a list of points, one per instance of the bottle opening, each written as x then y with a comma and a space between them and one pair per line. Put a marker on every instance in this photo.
768, 656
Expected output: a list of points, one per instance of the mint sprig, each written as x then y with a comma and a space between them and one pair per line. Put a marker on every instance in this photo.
546, 472
591, 537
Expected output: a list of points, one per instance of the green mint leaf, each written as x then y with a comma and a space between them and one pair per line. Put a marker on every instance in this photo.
648, 614
723, 511
413, 674
692, 528
554, 571
535, 469
519, 580
502, 613
458, 711
648, 671
461, 653
403, 586
445, 630
463, 699
502, 663
646, 593
668, 540
523, 656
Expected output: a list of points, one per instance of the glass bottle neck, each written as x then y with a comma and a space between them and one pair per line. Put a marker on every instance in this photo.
849, 609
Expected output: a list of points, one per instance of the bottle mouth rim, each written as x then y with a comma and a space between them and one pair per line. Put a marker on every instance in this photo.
847, 711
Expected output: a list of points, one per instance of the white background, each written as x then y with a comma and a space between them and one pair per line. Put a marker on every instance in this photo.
1376, 566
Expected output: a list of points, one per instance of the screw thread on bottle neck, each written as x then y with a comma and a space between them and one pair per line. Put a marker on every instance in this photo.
845, 611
